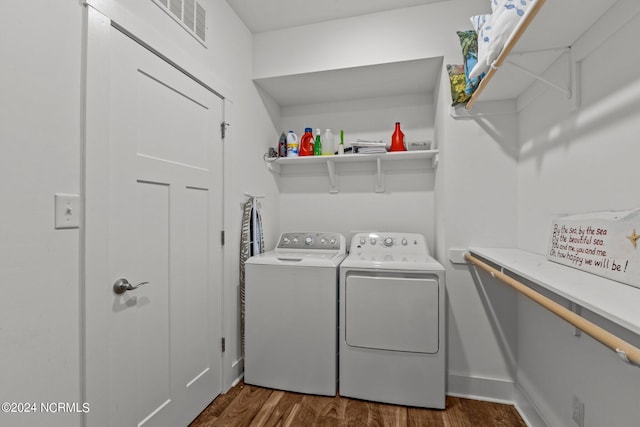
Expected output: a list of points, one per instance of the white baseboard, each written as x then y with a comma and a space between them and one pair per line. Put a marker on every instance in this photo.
528, 410
237, 380
233, 375
237, 362
487, 389
496, 390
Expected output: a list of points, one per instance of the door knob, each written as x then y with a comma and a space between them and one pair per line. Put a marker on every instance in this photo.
122, 285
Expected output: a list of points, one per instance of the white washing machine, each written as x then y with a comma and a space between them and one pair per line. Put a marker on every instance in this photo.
392, 321
291, 326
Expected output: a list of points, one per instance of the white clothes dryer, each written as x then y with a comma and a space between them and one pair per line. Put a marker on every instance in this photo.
291, 326
392, 321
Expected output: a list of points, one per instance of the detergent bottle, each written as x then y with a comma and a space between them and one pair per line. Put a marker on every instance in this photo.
306, 143
292, 144
317, 147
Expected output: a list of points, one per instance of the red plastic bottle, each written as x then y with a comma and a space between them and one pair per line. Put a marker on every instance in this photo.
397, 139
306, 143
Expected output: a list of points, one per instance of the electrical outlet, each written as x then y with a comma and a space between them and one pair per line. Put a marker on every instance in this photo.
578, 411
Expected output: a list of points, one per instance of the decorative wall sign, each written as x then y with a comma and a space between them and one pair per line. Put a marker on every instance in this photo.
602, 243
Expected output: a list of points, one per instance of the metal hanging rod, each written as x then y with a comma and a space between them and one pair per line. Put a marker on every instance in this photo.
626, 351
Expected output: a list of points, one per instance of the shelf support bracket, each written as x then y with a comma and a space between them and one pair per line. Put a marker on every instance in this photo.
331, 168
565, 91
571, 92
379, 176
577, 309
272, 167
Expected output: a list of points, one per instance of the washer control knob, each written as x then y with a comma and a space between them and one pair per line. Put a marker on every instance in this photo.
323, 241
373, 241
308, 241
388, 242
363, 241
404, 242
295, 240
286, 240
333, 241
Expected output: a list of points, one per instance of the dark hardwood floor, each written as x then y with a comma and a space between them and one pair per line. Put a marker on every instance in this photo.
247, 405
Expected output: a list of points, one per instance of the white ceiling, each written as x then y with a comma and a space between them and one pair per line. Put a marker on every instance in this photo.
267, 15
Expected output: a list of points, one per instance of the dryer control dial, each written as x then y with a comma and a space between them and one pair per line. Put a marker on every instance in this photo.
308, 240
389, 245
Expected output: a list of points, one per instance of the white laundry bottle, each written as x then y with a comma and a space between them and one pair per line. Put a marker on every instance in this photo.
292, 144
327, 143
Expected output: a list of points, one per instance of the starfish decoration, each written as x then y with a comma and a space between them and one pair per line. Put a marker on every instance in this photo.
633, 238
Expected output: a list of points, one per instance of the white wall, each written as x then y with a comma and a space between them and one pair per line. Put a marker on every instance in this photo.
476, 182
397, 35
479, 186
41, 137
572, 162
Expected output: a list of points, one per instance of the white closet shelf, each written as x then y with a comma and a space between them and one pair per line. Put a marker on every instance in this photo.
609, 299
277, 165
548, 30
418, 76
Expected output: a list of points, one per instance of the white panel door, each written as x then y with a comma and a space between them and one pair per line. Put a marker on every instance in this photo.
164, 219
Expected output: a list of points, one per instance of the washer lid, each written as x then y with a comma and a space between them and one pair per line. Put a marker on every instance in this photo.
298, 258
392, 262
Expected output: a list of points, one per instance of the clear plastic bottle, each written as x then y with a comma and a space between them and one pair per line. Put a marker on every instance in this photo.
327, 143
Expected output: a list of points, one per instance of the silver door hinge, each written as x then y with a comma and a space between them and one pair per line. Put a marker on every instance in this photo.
223, 129
222, 237
223, 344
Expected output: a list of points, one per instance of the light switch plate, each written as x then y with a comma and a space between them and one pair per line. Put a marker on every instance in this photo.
456, 256
67, 211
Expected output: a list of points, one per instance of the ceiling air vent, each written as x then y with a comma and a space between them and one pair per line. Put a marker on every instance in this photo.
201, 18
175, 6
189, 18
189, 14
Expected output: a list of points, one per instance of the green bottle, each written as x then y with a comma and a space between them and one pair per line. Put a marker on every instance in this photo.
317, 147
